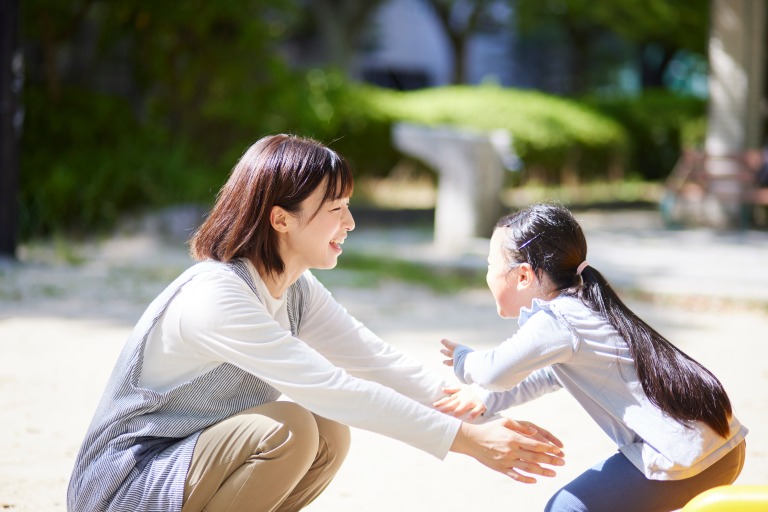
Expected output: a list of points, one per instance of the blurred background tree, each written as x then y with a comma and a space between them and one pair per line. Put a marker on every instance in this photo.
654, 33
132, 104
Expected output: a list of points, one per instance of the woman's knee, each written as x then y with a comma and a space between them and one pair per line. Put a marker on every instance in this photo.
300, 434
335, 440
293, 431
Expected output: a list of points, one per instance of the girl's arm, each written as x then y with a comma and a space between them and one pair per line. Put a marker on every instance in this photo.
537, 384
542, 341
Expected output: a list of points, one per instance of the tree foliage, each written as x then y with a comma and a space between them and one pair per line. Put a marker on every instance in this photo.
133, 104
129, 101
660, 29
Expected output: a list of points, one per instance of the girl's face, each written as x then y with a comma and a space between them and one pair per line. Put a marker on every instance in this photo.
315, 242
511, 288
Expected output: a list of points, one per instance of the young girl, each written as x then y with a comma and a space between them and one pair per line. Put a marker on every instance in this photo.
669, 416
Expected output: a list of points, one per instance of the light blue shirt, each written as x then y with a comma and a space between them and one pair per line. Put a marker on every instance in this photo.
563, 343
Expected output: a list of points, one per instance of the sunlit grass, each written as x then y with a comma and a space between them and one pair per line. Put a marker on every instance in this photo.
586, 194
419, 191
364, 271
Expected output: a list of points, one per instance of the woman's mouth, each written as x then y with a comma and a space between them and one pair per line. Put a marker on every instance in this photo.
336, 243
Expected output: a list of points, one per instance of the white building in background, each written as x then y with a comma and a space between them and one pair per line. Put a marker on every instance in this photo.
407, 48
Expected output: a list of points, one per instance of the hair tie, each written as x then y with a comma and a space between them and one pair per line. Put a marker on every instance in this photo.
581, 267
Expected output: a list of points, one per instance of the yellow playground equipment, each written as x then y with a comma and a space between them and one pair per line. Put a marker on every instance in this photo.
730, 498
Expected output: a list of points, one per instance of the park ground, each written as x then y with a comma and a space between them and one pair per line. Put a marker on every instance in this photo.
67, 307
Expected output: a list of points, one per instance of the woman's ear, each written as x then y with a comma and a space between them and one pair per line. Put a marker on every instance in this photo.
279, 220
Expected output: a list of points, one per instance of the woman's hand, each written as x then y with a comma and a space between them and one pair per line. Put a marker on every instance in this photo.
541, 434
448, 351
508, 446
462, 401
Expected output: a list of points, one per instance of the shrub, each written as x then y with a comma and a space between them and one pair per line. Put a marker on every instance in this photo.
86, 160
549, 133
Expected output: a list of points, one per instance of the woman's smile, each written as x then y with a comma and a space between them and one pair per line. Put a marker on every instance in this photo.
336, 244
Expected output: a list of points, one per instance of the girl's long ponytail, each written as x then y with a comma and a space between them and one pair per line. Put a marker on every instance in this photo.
671, 379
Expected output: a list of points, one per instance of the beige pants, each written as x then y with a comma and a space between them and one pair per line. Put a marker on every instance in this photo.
275, 457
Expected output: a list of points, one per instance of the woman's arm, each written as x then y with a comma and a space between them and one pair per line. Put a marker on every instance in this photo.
222, 321
347, 343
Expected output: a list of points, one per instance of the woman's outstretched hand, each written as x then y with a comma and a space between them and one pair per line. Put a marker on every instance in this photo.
510, 447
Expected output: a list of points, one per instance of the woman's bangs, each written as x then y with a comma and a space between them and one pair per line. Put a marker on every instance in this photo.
341, 184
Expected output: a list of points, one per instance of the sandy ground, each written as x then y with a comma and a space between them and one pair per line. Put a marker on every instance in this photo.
62, 325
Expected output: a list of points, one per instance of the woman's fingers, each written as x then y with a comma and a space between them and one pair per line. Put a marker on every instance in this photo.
507, 451
522, 465
546, 435
523, 479
534, 432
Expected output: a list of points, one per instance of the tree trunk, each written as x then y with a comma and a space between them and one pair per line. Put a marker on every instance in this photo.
654, 61
52, 79
459, 47
10, 87
580, 44
340, 23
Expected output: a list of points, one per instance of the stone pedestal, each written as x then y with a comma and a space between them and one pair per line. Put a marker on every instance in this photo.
470, 168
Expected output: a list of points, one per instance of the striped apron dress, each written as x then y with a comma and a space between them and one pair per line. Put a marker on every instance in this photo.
138, 448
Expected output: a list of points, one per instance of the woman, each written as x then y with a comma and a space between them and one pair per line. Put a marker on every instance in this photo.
190, 418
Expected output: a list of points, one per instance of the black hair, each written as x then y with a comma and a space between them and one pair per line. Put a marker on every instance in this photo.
548, 237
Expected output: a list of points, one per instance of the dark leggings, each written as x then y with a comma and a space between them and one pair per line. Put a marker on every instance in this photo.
616, 484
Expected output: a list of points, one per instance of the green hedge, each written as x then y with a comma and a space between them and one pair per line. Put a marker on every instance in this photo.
87, 159
549, 133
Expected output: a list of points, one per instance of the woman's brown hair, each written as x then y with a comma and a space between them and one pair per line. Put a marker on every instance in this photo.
278, 170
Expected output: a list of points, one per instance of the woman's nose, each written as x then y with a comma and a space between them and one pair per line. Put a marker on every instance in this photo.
349, 221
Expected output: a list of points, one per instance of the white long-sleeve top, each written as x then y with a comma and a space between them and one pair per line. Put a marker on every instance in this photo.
338, 368
563, 343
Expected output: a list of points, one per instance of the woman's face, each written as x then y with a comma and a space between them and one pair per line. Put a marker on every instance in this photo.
315, 242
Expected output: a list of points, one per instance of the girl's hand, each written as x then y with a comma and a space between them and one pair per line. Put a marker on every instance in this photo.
509, 447
448, 351
462, 401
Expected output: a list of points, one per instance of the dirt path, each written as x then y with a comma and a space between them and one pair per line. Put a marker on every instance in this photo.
61, 326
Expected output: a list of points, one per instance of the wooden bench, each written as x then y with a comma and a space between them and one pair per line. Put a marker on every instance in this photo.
693, 181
